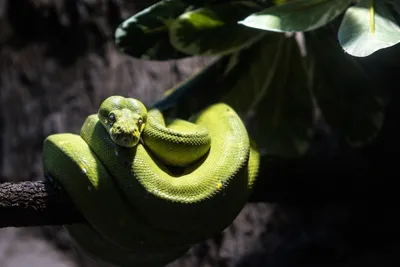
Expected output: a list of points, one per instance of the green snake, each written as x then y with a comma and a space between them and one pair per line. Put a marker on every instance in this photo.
150, 188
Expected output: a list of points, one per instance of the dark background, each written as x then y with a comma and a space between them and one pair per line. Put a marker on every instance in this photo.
335, 207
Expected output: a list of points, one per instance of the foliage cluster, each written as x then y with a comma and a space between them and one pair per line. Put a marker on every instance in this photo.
274, 84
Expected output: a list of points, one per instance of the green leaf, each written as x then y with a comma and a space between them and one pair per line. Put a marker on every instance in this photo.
283, 118
265, 83
239, 80
145, 35
250, 77
351, 102
296, 16
213, 30
368, 27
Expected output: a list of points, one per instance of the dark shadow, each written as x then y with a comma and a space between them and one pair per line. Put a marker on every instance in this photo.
68, 32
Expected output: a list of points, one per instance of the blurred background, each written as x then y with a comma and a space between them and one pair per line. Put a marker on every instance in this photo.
58, 62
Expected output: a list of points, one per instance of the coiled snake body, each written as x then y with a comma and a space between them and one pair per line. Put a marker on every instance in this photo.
150, 190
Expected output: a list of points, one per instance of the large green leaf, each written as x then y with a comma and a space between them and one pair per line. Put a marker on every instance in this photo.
283, 118
368, 27
239, 79
145, 35
266, 84
251, 75
213, 30
296, 16
349, 99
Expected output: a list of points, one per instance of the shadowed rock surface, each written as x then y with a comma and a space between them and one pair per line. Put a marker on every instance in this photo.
58, 62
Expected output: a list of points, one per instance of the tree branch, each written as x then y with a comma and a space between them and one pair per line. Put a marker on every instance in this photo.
341, 176
35, 203
297, 181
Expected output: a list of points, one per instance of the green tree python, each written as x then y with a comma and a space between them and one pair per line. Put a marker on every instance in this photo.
150, 188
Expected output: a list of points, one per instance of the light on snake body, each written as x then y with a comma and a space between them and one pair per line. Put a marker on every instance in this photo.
116, 153
219, 185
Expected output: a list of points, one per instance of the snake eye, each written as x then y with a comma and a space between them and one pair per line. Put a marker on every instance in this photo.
140, 122
111, 117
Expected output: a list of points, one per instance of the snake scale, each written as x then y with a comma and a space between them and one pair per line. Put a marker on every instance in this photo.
150, 188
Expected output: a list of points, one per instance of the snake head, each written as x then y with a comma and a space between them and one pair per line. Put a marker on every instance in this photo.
124, 119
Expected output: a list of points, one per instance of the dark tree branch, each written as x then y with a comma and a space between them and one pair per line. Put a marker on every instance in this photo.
313, 180
35, 203
326, 178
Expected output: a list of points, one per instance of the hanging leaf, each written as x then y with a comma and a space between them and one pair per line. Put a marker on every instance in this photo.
350, 101
266, 84
283, 118
249, 79
213, 30
296, 16
145, 35
239, 80
368, 27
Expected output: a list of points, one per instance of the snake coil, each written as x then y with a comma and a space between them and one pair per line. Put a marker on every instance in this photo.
149, 190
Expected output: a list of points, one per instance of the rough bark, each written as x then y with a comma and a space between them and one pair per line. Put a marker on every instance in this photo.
35, 204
